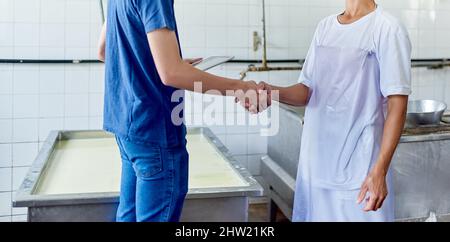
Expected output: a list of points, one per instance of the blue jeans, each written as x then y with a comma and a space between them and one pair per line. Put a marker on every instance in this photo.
154, 182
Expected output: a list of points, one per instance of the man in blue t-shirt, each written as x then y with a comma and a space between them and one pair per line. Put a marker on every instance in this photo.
144, 70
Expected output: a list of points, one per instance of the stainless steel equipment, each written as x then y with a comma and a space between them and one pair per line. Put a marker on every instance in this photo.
212, 204
425, 112
421, 169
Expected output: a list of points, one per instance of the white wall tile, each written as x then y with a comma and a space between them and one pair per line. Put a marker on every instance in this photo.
7, 36
95, 123
77, 53
97, 80
26, 106
234, 144
5, 155
25, 52
24, 153
276, 16
6, 127
78, 11
6, 82
256, 144
236, 129
95, 11
238, 15
5, 203
216, 38
52, 53
77, 81
76, 105
7, 52
26, 81
96, 104
19, 218
52, 11
76, 123
52, 80
6, 106
26, 11
195, 19
5, 219
7, 10
238, 37
76, 35
25, 130
26, 34
5, 179
52, 35
46, 125
19, 174
51, 105
216, 14
95, 31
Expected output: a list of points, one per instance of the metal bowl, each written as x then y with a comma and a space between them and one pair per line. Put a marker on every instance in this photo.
425, 112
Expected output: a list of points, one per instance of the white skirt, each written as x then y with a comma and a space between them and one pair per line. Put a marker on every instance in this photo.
314, 204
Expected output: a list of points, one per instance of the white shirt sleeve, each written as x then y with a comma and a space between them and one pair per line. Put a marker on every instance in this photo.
308, 67
394, 57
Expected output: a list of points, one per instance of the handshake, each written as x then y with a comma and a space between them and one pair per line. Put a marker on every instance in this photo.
255, 98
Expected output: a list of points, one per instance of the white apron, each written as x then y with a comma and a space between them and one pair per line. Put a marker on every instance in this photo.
341, 139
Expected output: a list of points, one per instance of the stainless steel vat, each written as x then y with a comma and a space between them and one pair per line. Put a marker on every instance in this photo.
229, 204
421, 170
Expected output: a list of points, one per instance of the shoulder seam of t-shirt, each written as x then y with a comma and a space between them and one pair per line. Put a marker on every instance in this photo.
393, 22
165, 22
322, 27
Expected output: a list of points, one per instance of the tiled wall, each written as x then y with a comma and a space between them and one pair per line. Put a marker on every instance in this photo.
35, 99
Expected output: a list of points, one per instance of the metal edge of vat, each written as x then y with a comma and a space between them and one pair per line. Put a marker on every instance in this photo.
25, 197
281, 188
425, 137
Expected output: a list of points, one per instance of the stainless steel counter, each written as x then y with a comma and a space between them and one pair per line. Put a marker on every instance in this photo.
212, 204
421, 170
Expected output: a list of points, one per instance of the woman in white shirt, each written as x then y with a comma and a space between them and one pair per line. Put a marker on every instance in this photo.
355, 84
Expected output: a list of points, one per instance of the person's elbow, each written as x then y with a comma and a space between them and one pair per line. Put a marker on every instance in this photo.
169, 77
173, 73
101, 55
301, 95
299, 102
303, 101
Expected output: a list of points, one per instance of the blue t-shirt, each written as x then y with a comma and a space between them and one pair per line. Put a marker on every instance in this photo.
138, 106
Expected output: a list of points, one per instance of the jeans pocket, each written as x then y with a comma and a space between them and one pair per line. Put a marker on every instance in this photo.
148, 164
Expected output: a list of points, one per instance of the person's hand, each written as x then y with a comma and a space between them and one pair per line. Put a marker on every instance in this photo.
264, 95
374, 191
193, 61
255, 98
248, 96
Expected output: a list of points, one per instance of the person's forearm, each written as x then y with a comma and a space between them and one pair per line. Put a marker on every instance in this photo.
184, 76
296, 95
177, 73
393, 130
102, 44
